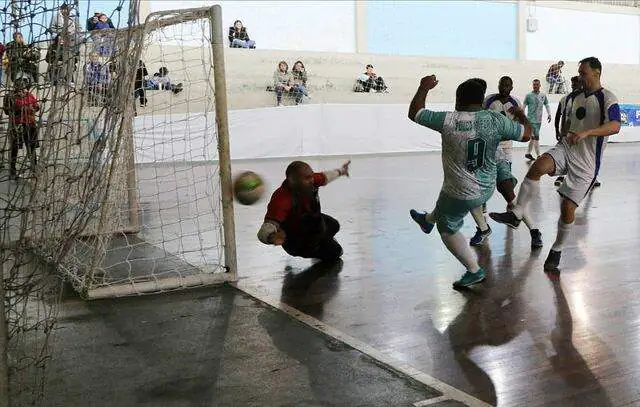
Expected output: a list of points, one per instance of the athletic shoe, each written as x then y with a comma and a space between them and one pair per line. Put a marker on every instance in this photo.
421, 219
597, 183
553, 261
506, 218
529, 157
480, 236
536, 238
469, 279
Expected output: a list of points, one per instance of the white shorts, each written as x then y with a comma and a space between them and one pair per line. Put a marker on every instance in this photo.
577, 183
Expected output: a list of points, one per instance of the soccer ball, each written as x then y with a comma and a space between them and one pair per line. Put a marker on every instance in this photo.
248, 188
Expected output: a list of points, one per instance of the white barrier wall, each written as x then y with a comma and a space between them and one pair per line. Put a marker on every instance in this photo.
299, 131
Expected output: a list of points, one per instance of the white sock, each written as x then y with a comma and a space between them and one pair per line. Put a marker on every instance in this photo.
526, 218
478, 216
530, 147
536, 145
527, 189
458, 246
563, 231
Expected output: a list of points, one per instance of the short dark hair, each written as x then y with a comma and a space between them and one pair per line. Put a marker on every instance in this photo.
369, 66
506, 78
593, 62
295, 167
536, 80
471, 92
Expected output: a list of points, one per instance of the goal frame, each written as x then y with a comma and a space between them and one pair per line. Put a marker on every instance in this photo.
153, 22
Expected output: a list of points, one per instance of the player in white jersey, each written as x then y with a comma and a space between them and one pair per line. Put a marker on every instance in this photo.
533, 103
560, 119
502, 102
470, 138
592, 115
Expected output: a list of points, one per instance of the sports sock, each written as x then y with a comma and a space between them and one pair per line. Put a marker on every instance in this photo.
536, 146
564, 229
527, 189
458, 246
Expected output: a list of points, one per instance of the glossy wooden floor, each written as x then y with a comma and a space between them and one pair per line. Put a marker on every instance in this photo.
520, 339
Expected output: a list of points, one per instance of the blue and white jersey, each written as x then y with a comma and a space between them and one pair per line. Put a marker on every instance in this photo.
585, 111
493, 102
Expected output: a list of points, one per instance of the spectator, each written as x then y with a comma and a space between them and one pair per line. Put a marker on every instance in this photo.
103, 42
21, 107
554, 77
22, 59
299, 81
96, 80
238, 36
281, 81
162, 81
64, 23
98, 22
139, 92
369, 81
2, 49
62, 61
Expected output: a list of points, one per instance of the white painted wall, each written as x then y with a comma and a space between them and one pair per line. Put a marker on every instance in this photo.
299, 131
572, 35
285, 25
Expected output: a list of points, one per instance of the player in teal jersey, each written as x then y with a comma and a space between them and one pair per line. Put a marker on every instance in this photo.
470, 138
533, 103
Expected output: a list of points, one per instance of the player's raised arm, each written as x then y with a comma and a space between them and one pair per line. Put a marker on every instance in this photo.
417, 111
418, 102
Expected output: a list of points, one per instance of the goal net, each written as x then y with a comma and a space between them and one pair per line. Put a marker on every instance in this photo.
121, 184
159, 223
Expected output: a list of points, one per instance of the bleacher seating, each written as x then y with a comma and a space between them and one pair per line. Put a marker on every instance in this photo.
332, 75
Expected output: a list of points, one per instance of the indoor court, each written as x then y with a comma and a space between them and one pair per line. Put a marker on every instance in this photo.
131, 274
521, 338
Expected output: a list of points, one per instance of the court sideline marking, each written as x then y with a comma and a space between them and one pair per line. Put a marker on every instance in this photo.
448, 392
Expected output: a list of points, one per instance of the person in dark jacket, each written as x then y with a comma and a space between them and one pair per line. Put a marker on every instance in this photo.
139, 84
238, 37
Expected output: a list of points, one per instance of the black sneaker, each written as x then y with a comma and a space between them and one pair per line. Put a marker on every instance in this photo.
553, 261
597, 183
480, 236
506, 218
529, 157
536, 238
558, 181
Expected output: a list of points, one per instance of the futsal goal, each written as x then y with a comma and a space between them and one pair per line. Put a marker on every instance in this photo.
134, 197
163, 217
131, 193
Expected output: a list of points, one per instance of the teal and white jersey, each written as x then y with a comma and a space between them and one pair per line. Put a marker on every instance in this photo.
534, 102
469, 144
493, 102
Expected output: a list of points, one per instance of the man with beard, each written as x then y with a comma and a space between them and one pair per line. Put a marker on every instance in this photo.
502, 102
294, 219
